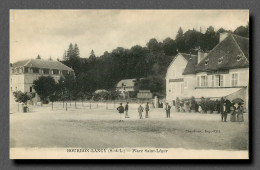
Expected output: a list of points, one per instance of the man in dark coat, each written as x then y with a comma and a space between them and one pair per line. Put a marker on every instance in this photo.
225, 109
126, 110
168, 108
121, 112
146, 110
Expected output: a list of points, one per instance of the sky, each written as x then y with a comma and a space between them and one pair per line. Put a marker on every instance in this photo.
49, 32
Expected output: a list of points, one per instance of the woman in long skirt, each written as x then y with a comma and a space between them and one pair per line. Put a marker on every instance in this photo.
232, 114
240, 117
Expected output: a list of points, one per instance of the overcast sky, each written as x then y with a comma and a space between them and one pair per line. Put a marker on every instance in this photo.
49, 32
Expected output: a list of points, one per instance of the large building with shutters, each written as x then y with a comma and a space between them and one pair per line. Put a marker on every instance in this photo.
222, 72
23, 73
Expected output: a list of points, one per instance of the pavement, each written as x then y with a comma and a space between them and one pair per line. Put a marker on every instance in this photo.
98, 126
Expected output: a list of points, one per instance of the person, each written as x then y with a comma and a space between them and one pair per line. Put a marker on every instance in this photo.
140, 110
168, 108
224, 112
232, 114
126, 110
146, 110
240, 117
225, 109
200, 109
121, 112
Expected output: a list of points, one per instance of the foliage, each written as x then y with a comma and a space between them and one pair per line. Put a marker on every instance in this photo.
203, 103
178, 104
193, 103
150, 61
23, 97
44, 87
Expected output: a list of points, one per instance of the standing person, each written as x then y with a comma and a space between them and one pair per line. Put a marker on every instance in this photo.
233, 114
121, 112
168, 108
140, 110
126, 110
146, 110
240, 117
224, 112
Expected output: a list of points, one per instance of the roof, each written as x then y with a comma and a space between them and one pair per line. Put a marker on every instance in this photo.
126, 83
228, 51
187, 56
191, 65
40, 63
214, 93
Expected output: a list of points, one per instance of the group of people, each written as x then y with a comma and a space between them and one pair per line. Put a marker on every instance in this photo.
235, 109
121, 110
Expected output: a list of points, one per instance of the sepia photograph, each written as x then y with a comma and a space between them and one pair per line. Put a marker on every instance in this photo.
129, 84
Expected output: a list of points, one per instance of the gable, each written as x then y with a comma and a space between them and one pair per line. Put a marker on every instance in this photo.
178, 61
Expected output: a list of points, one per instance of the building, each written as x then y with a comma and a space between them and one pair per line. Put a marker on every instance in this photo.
224, 71
23, 73
144, 96
126, 85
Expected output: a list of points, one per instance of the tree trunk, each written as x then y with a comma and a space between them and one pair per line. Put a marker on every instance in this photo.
63, 103
90, 105
51, 105
75, 104
66, 106
106, 106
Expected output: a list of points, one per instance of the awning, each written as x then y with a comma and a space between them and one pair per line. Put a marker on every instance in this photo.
218, 92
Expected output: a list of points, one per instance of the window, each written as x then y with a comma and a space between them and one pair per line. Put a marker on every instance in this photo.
234, 79
198, 81
12, 70
219, 81
46, 71
36, 70
239, 56
55, 71
64, 72
204, 81
30, 89
182, 88
212, 81
25, 69
220, 60
206, 61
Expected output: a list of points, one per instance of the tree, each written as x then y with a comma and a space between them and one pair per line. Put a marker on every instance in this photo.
23, 97
179, 34
153, 45
242, 31
169, 46
76, 51
92, 55
38, 57
44, 87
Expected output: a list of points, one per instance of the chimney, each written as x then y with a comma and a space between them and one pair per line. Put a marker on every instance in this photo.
201, 55
222, 36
